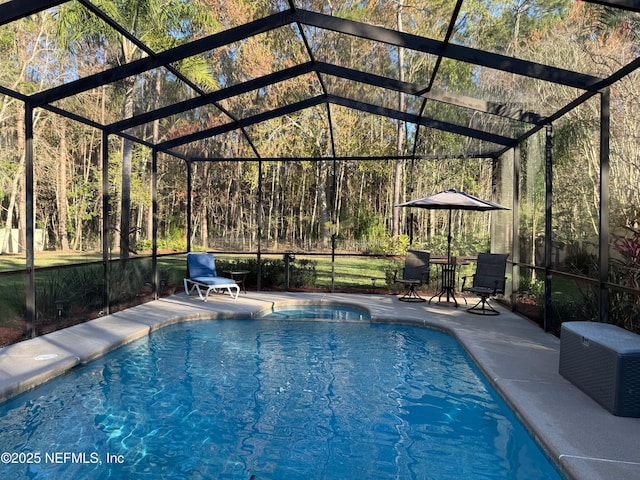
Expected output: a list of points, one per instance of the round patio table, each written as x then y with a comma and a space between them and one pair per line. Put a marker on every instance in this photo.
239, 276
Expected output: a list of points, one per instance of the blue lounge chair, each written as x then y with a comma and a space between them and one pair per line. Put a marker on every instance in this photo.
202, 275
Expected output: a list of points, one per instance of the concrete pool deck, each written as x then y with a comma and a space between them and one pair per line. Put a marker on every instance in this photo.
583, 438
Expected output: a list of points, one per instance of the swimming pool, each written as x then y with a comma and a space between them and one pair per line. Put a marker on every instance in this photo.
271, 400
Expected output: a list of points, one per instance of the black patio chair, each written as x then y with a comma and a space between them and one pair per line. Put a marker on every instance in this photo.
488, 281
414, 274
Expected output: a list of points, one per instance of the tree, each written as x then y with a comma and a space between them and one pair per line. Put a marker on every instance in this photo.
160, 25
22, 45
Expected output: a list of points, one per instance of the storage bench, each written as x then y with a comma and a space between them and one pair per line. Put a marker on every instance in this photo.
604, 362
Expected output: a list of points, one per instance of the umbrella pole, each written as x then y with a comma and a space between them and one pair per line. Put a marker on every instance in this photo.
449, 239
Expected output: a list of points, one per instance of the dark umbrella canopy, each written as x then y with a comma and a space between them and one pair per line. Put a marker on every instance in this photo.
452, 200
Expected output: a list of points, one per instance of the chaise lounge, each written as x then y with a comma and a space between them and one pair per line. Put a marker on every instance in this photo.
202, 275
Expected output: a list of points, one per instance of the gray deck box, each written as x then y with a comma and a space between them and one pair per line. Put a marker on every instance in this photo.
604, 362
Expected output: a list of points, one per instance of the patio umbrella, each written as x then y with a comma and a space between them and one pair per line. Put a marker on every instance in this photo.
452, 200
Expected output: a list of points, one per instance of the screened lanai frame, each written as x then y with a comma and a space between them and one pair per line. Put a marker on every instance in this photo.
515, 124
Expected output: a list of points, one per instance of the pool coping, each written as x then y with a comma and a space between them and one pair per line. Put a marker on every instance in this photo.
585, 440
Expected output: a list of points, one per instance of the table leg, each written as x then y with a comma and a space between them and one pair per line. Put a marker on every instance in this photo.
448, 284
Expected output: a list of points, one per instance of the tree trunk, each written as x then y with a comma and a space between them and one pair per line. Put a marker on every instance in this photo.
323, 207
204, 210
125, 201
273, 207
397, 176
16, 183
83, 200
156, 138
63, 202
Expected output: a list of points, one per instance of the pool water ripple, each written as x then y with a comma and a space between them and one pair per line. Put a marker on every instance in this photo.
275, 399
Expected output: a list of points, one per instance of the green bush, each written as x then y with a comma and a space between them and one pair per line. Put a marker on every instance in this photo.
391, 272
624, 307
582, 263
302, 272
128, 280
533, 289
78, 291
57, 290
173, 244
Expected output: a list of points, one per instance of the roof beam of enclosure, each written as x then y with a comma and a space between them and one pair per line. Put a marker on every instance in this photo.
307, 46
416, 119
15, 10
142, 46
610, 80
305, 68
434, 73
345, 102
163, 58
381, 158
455, 52
280, 19
13, 94
445, 41
501, 110
631, 5
284, 75
216, 96
242, 123
322, 67
136, 41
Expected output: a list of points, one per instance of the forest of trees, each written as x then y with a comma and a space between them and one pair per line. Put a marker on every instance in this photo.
300, 203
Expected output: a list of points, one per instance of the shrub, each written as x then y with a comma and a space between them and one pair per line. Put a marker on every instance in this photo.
302, 273
624, 307
582, 263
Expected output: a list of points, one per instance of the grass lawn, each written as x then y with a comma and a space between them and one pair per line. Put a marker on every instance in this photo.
354, 272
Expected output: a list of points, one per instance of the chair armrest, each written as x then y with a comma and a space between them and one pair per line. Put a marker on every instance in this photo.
500, 286
425, 276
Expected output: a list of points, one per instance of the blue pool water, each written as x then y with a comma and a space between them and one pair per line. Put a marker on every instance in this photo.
245, 399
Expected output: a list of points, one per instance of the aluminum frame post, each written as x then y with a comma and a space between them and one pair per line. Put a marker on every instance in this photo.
548, 226
603, 247
515, 228
189, 202
154, 227
259, 222
30, 293
106, 264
